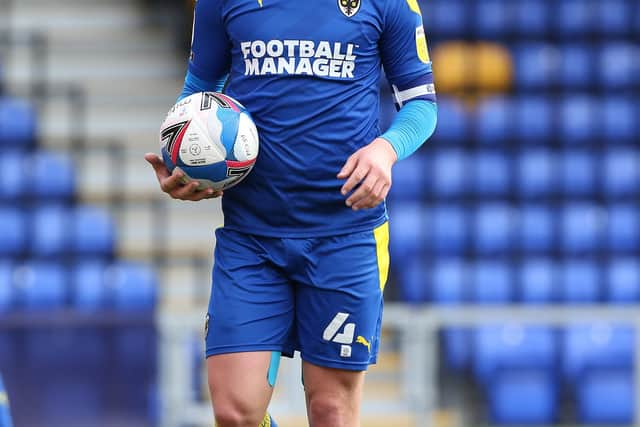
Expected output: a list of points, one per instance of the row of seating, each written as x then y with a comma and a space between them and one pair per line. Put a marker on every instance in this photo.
55, 230
525, 120
531, 18
87, 286
534, 280
436, 172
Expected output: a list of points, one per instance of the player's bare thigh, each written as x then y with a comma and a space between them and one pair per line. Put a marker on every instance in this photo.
239, 388
333, 396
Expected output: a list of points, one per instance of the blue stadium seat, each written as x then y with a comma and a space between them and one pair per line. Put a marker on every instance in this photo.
618, 65
448, 281
531, 17
512, 346
93, 232
538, 281
537, 173
606, 398
577, 66
50, 231
456, 343
453, 121
536, 65
573, 18
596, 346
89, 290
536, 227
620, 120
136, 348
509, 390
6, 286
446, 17
408, 178
41, 285
447, 230
580, 282
492, 282
583, 227
614, 17
534, 119
621, 172
493, 18
12, 183
414, 280
408, 233
51, 176
624, 228
133, 285
623, 281
578, 123
17, 123
494, 120
578, 173
491, 173
13, 231
494, 227
449, 173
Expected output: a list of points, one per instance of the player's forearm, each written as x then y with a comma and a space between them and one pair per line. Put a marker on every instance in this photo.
193, 84
413, 125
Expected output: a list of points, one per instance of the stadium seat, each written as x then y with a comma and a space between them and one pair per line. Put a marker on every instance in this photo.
93, 232
583, 227
523, 397
577, 66
624, 228
89, 290
614, 17
453, 121
17, 123
446, 17
536, 226
50, 231
491, 173
136, 348
573, 18
531, 18
534, 119
6, 286
512, 346
606, 397
620, 120
41, 285
621, 172
456, 343
536, 66
618, 65
414, 280
538, 281
408, 231
13, 231
578, 173
449, 175
50, 176
580, 282
12, 183
447, 227
449, 281
491, 283
596, 346
494, 227
408, 180
537, 173
493, 18
623, 281
133, 285
494, 120
578, 124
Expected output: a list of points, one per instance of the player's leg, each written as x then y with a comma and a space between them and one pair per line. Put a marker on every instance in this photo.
250, 317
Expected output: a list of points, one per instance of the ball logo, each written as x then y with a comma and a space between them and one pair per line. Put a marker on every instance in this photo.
349, 7
195, 150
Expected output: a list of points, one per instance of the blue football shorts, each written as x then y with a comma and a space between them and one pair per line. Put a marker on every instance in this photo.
319, 296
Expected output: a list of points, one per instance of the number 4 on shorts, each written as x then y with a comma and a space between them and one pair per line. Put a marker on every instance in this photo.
331, 331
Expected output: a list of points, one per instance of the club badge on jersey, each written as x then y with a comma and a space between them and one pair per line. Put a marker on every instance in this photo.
349, 7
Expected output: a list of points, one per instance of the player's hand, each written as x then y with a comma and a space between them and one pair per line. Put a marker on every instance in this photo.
368, 169
173, 184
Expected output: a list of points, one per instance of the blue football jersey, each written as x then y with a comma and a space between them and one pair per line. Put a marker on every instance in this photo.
308, 73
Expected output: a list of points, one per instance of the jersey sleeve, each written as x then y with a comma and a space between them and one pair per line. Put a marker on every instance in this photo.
404, 52
210, 57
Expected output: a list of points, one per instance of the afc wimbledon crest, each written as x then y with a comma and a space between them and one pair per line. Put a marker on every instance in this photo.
349, 7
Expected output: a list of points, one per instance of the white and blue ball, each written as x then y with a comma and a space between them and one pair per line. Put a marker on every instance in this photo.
211, 138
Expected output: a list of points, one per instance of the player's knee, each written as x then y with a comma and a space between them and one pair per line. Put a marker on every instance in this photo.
230, 416
327, 411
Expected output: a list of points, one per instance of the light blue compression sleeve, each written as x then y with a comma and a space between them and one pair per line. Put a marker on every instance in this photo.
413, 125
193, 84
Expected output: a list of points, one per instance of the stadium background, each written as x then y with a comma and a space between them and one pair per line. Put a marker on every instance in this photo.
515, 231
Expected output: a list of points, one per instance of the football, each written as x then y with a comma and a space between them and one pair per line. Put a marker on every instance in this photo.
211, 138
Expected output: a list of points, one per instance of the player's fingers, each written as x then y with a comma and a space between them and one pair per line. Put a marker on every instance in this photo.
185, 192
204, 194
374, 198
348, 167
157, 164
363, 191
173, 182
354, 179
